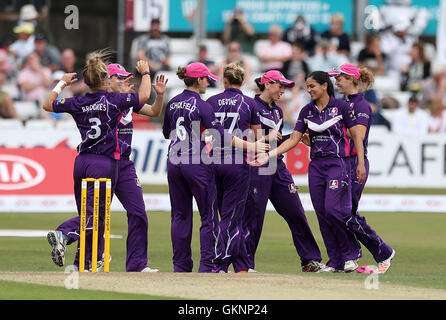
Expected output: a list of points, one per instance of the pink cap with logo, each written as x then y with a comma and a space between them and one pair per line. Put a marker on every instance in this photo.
198, 70
348, 69
277, 76
116, 69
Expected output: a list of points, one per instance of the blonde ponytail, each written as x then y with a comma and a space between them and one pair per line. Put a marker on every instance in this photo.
95, 70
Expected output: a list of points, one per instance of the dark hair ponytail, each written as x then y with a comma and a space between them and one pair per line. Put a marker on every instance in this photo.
322, 77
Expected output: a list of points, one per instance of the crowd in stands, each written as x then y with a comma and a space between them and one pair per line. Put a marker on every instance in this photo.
30, 66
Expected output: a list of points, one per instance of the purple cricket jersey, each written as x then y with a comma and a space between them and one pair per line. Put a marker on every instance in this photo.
235, 112
185, 119
328, 128
97, 115
362, 114
125, 131
269, 117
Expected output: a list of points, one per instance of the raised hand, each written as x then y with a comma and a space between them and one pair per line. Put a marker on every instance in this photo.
160, 84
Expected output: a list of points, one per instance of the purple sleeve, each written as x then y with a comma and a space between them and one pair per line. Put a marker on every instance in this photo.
166, 124
64, 105
347, 114
209, 120
125, 101
362, 113
255, 120
301, 125
138, 107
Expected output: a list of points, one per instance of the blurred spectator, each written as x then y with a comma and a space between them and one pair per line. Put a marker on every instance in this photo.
238, 29
301, 32
371, 57
24, 45
437, 121
325, 57
434, 87
377, 116
295, 99
277, 52
68, 63
234, 55
410, 119
336, 33
419, 69
396, 43
49, 55
7, 109
296, 68
34, 79
152, 47
28, 14
5, 64
203, 58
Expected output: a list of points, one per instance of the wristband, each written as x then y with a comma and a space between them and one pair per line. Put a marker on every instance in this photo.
144, 73
58, 88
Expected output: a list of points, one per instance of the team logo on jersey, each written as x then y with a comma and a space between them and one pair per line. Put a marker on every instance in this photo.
352, 105
277, 114
333, 184
138, 183
333, 112
293, 188
62, 101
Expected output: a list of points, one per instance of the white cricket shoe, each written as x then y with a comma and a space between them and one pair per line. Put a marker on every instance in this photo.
383, 266
57, 241
327, 269
150, 270
350, 265
250, 270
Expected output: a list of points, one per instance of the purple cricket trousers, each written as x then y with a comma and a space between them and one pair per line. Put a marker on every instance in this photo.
280, 189
330, 194
358, 224
232, 182
89, 166
188, 181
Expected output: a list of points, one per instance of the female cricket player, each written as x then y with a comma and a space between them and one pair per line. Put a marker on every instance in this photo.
235, 112
351, 82
328, 120
190, 172
274, 182
128, 189
96, 115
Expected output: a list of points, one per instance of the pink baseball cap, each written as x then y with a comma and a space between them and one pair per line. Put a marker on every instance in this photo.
198, 70
274, 75
116, 69
348, 69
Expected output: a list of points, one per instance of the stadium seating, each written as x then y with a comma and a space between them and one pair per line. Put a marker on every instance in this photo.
26, 109
10, 124
37, 124
66, 125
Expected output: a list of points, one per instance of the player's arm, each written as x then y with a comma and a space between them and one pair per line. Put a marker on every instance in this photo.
358, 140
160, 88
286, 146
67, 79
146, 84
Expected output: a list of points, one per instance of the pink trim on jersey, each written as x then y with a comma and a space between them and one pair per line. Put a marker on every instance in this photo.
117, 153
347, 142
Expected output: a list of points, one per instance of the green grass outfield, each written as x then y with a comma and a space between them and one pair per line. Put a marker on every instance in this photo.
419, 240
